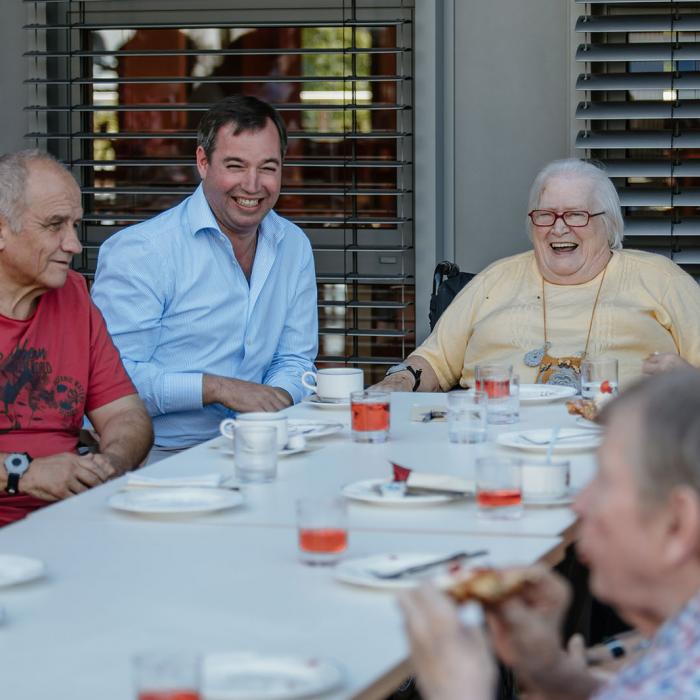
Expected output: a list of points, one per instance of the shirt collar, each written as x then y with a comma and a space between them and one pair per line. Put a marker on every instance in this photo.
201, 218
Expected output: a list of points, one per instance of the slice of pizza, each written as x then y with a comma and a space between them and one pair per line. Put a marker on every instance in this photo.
489, 586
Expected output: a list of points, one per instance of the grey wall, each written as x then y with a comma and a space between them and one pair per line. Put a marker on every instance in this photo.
512, 66
12, 46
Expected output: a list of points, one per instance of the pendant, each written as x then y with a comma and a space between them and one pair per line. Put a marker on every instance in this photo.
533, 358
565, 376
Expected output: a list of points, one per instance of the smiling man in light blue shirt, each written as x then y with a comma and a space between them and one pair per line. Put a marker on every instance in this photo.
212, 304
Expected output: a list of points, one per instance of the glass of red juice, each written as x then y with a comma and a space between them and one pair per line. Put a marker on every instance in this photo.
503, 390
499, 487
167, 675
322, 529
370, 415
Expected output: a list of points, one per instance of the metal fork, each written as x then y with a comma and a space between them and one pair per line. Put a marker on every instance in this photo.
417, 568
548, 440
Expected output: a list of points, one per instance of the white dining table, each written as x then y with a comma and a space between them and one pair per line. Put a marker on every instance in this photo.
117, 584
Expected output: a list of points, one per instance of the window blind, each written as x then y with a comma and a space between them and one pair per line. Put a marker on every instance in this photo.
639, 109
116, 89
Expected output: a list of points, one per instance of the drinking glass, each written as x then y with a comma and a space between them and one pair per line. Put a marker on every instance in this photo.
161, 675
255, 452
466, 416
599, 377
323, 530
499, 487
503, 389
370, 415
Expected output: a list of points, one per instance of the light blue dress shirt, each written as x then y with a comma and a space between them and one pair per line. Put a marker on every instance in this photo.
178, 306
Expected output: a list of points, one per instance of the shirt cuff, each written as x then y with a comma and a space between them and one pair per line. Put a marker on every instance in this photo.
295, 390
182, 391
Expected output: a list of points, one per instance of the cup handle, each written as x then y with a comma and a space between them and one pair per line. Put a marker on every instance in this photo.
313, 387
226, 427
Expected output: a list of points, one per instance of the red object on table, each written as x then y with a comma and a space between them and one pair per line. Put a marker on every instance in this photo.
494, 388
169, 695
370, 416
499, 497
323, 540
400, 473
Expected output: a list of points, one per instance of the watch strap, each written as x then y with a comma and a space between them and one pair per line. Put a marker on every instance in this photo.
403, 367
12, 484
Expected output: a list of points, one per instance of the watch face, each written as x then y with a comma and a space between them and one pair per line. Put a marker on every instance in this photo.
16, 463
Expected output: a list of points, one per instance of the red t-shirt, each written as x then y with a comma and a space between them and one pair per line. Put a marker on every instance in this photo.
54, 367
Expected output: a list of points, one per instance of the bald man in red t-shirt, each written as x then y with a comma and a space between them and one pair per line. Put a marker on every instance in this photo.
57, 361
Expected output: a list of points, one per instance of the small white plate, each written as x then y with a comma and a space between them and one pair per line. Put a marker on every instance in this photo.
544, 393
565, 499
575, 440
165, 501
312, 429
358, 572
588, 424
227, 448
15, 569
367, 492
314, 400
251, 676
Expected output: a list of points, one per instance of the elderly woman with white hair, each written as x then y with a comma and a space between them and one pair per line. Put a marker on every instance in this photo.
575, 294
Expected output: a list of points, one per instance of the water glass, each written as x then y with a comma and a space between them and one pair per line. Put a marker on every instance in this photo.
161, 675
503, 389
323, 529
499, 487
466, 416
370, 415
599, 377
255, 452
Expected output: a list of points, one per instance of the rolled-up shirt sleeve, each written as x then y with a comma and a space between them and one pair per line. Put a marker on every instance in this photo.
131, 289
298, 343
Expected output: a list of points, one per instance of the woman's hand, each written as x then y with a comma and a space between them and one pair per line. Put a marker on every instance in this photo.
451, 661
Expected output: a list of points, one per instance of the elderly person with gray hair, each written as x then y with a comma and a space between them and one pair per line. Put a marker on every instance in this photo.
57, 361
575, 294
640, 535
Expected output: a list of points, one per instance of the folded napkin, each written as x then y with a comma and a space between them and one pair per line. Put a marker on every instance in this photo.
423, 481
428, 414
204, 480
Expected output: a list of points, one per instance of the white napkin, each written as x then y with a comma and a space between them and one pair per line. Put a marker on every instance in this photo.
205, 480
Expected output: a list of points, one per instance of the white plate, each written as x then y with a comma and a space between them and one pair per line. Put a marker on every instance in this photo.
166, 501
227, 449
366, 491
250, 676
565, 499
312, 429
15, 569
358, 572
315, 401
588, 424
584, 440
544, 393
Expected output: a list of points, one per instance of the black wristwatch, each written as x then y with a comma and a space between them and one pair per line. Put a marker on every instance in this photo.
403, 366
16, 463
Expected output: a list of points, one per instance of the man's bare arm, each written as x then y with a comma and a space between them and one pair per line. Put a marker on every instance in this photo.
126, 434
243, 396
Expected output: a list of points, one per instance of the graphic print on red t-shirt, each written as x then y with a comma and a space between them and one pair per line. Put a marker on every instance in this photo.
31, 392
54, 367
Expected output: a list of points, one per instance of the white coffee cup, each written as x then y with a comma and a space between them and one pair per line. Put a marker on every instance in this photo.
335, 382
275, 420
545, 480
